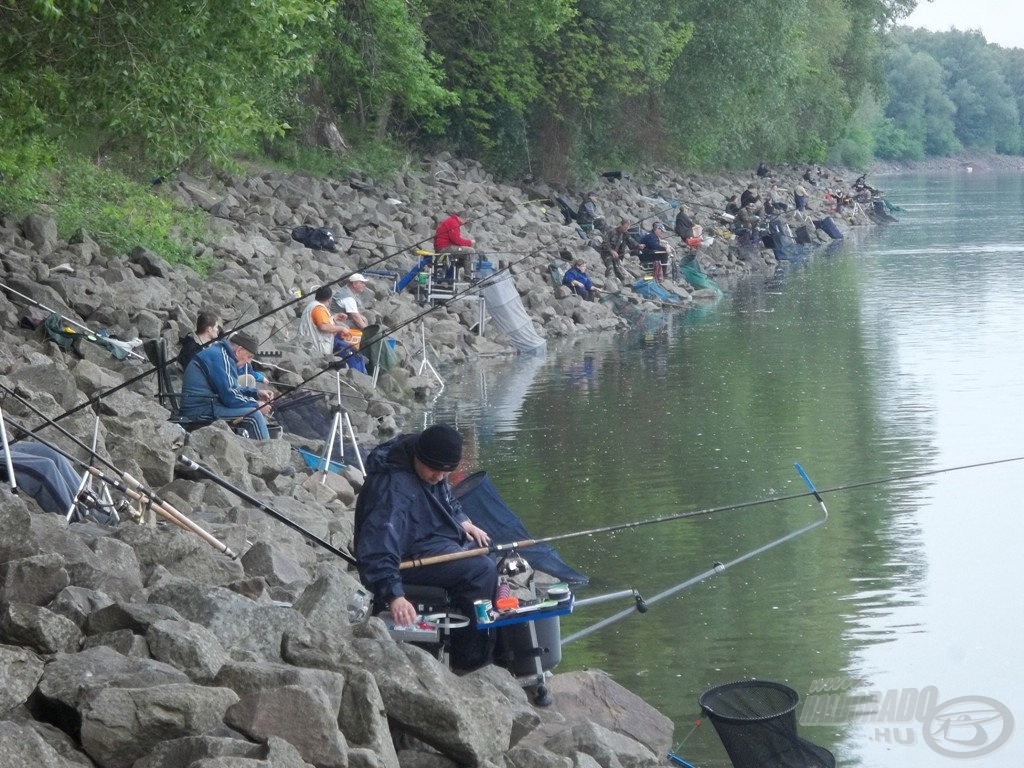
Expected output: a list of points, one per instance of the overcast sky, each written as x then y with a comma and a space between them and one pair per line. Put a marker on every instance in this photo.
1000, 21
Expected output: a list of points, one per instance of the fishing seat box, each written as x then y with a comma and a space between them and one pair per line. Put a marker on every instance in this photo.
519, 647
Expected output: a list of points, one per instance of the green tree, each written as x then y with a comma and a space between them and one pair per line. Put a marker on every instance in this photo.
165, 79
919, 106
377, 68
490, 55
986, 114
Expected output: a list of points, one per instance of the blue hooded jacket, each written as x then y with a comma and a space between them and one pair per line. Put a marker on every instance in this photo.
398, 517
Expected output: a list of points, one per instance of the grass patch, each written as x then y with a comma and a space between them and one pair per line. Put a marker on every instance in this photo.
369, 157
119, 213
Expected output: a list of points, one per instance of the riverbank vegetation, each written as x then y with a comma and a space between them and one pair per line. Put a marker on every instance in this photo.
551, 89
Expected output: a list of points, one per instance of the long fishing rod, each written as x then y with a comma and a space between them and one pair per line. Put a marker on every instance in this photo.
134, 490
99, 396
522, 544
195, 466
715, 569
156, 367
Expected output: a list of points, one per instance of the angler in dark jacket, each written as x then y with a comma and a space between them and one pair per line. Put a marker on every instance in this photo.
405, 510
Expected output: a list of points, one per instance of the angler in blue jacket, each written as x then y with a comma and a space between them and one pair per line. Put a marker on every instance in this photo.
210, 388
579, 281
405, 510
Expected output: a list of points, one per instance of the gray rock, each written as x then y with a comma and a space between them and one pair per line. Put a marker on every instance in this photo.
187, 646
593, 696
120, 725
20, 670
277, 568
222, 752
301, 716
37, 628
35, 580
247, 630
135, 617
458, 717
77, 603
22, 747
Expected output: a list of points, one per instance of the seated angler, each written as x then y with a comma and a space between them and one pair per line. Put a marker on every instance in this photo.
450, 242
208, 325
405, 511
655, 252
588, 216
616, 242
578, 281
354, 287
331, 333
210, 389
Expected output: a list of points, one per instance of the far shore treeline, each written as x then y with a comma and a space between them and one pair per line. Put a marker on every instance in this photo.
551, 89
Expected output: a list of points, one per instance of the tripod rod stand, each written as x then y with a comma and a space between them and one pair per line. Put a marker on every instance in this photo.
339, 425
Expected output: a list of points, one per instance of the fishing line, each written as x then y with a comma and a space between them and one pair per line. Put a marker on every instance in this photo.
716, 568
816, 493
99, 397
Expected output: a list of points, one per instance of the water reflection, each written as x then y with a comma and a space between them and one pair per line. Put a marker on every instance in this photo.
894, 356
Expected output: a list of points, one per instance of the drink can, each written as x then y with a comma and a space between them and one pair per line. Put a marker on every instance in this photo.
483, 611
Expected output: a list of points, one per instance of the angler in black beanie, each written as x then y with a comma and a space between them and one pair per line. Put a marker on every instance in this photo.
439, 447
406, 511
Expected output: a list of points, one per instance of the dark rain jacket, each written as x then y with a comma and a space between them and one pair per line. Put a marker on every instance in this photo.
398, 516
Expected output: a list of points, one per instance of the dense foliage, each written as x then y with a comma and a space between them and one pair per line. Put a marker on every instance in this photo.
951, 91
555, 88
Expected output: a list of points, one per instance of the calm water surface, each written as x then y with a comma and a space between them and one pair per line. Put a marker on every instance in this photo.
891, 371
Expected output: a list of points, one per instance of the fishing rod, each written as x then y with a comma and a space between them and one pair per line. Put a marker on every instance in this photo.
88, 331
715, 569
522, 544
205, 471
134, 490
99, 396
156, 367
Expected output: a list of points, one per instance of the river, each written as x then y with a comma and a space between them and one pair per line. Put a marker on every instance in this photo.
891, 371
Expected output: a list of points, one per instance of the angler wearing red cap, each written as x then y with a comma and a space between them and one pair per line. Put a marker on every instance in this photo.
406, 510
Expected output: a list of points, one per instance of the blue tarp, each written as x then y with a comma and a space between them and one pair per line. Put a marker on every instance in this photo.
650, 289
480, 500
411, 274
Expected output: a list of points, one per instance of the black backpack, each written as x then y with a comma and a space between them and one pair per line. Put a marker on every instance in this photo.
317, 238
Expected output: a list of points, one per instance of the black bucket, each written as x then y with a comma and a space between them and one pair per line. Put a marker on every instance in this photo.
756, 721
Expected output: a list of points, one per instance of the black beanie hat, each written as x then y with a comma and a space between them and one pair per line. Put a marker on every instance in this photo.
439, 447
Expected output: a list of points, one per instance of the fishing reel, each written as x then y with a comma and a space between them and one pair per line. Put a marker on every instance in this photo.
513, 564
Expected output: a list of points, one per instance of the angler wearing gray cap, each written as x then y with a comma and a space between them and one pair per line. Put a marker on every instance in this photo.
210, 390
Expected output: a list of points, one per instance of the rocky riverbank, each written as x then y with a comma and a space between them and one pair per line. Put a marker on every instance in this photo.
147, 645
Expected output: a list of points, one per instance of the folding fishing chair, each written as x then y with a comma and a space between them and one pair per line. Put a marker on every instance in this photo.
168, 394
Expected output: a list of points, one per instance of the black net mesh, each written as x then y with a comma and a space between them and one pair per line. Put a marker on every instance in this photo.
756, 722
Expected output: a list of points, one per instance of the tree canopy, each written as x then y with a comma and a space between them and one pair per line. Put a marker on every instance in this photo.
549, 87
